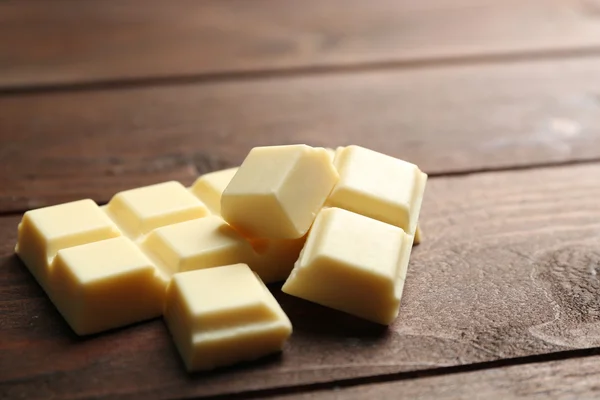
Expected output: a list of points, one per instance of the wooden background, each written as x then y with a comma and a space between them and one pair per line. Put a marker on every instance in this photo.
499, 101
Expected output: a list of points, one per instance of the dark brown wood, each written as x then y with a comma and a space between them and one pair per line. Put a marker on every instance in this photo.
56, 147
58, 42
508, 268
569, 379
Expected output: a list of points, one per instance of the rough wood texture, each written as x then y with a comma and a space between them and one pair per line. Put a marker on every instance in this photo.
50, 43
509, 268
56, 147
569, 379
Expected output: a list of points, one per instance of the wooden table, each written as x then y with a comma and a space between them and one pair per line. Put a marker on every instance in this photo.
499, 101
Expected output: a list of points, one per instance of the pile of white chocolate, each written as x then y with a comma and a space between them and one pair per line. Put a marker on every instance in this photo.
337, 226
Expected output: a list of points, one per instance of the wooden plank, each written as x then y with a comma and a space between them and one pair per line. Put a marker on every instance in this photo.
568, 379
508, 268
66, 42
57, 147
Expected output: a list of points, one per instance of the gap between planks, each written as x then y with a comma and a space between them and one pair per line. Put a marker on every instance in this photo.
434, 175
65, 146
69, 43
292, 72
411, 375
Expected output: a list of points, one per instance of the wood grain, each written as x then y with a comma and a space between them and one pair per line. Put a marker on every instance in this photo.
57, 147
568, 379
67, 42
508, 269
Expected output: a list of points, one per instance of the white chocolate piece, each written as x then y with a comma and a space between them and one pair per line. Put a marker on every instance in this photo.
222, 316
378, 186
210, 242
209, 188
139, 211
197, 244
275, 259
331, 153
104, 285
278, 190
417, 236
45, 231
354, 264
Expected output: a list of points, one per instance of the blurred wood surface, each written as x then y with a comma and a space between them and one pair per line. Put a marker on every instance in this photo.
62, 146
64, 41
498, 101
508, 269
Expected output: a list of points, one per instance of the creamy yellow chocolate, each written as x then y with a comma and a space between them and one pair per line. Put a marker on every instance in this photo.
277, 191
45, 231
222, 316
417, 236
209, 188
108, 267
354, 264
210, 242
139, 211
104, 285
331, 153
273, 259
82, 231
151, 217
378, 186
197, 244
